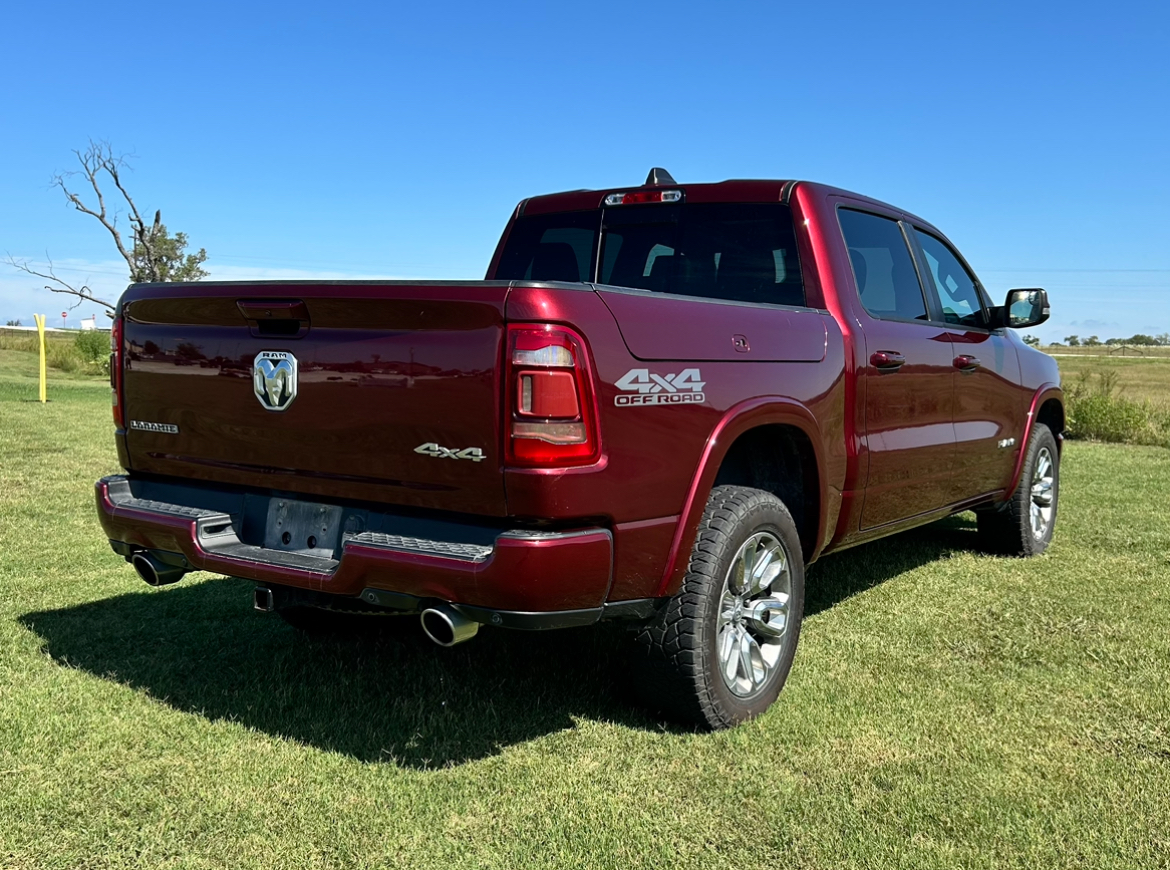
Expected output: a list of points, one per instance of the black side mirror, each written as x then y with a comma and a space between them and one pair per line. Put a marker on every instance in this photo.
1025, 308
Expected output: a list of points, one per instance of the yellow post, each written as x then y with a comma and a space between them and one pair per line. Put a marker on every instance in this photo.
40, 319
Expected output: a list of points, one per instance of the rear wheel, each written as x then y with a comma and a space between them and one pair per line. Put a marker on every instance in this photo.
719, 652
1023, 526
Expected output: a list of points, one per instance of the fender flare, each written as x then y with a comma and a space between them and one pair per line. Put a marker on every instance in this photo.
1043, 394
749, 414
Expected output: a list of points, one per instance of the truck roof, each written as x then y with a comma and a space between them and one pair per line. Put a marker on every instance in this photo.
731, 190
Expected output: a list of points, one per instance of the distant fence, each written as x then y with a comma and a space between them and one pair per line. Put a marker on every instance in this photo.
1111, 350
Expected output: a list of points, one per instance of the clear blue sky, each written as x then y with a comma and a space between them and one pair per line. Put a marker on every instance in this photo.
394, 140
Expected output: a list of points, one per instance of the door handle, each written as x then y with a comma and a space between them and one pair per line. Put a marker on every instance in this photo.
966, 363
887, 360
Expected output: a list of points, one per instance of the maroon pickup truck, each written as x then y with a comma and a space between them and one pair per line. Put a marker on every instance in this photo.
662, 404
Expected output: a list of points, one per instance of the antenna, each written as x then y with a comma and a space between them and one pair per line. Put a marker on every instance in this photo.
658, 175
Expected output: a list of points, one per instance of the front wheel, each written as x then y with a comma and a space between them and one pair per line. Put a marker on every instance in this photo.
1023, 526
719, 652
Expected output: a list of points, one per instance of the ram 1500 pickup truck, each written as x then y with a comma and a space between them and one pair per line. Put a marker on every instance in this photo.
661, 405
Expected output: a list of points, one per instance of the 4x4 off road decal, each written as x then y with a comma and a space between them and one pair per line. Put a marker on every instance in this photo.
643, 387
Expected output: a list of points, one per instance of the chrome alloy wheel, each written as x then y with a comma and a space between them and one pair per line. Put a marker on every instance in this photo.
1042, 504
753, 614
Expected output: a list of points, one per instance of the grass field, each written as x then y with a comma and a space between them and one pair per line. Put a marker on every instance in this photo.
947, 709
1138, 378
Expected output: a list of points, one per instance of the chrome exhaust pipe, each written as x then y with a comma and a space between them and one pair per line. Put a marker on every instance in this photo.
154, 571
446, 626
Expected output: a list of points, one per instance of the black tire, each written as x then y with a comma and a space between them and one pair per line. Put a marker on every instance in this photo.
319, 622
676, 661
1008, 530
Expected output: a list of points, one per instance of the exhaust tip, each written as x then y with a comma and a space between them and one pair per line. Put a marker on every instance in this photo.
446, 626
262, 600
155, 572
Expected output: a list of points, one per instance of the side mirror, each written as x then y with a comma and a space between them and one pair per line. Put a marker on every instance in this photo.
1025, 308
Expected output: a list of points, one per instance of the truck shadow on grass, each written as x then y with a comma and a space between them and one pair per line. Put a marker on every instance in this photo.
390, 695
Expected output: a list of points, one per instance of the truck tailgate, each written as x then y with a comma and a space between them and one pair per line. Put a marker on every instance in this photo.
386, 392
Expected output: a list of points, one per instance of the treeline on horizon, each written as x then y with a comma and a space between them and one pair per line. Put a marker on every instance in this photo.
1139, 339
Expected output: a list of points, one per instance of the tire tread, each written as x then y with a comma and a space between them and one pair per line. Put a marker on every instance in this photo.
669, 672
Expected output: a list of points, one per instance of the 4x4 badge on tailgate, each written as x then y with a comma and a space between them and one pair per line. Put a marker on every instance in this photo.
475, 454
274, 379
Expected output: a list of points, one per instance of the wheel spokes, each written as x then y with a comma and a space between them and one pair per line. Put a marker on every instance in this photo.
750, 659
727, 609
753, 614
768, 565
729, 653
746, 565
1042, 495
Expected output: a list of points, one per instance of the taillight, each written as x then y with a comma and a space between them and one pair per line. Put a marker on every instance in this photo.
551, 415
116, 371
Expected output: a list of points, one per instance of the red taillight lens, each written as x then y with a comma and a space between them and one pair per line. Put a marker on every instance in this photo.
116, 371
551, 416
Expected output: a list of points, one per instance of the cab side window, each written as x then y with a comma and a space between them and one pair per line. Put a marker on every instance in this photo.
957, 290
883, 266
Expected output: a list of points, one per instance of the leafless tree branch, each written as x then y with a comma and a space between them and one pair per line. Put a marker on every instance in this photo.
83, 292
98, 158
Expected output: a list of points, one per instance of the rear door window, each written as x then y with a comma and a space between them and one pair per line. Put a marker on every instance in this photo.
883, 266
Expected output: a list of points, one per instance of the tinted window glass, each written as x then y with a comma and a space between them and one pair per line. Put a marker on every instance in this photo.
744, 252
957, 291
553, 247
882, 264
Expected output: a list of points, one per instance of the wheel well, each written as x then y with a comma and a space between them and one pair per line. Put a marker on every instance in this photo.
780, 460
1051, 414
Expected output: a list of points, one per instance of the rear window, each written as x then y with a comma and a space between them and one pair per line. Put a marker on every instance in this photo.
744, 252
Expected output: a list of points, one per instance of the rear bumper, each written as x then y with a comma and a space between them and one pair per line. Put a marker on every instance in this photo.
520, 572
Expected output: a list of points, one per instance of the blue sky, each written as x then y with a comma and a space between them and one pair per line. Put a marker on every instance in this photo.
352, 139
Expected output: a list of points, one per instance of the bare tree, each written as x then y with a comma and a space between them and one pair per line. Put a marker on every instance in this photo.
150, 252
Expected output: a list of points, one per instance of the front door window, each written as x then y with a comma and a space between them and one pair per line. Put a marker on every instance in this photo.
957, 291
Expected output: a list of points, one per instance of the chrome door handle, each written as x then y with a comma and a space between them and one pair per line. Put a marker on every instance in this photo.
887, 360
966, 363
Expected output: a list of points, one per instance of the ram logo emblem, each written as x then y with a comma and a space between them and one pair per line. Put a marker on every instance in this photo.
274, 379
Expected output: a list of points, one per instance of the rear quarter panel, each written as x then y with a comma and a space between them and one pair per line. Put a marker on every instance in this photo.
659, 461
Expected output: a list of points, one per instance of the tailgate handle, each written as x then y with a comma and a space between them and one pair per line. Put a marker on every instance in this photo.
283, 317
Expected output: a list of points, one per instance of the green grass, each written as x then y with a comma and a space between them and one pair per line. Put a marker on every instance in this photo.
946, 709
1122, 400
1138, 378
70, 353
